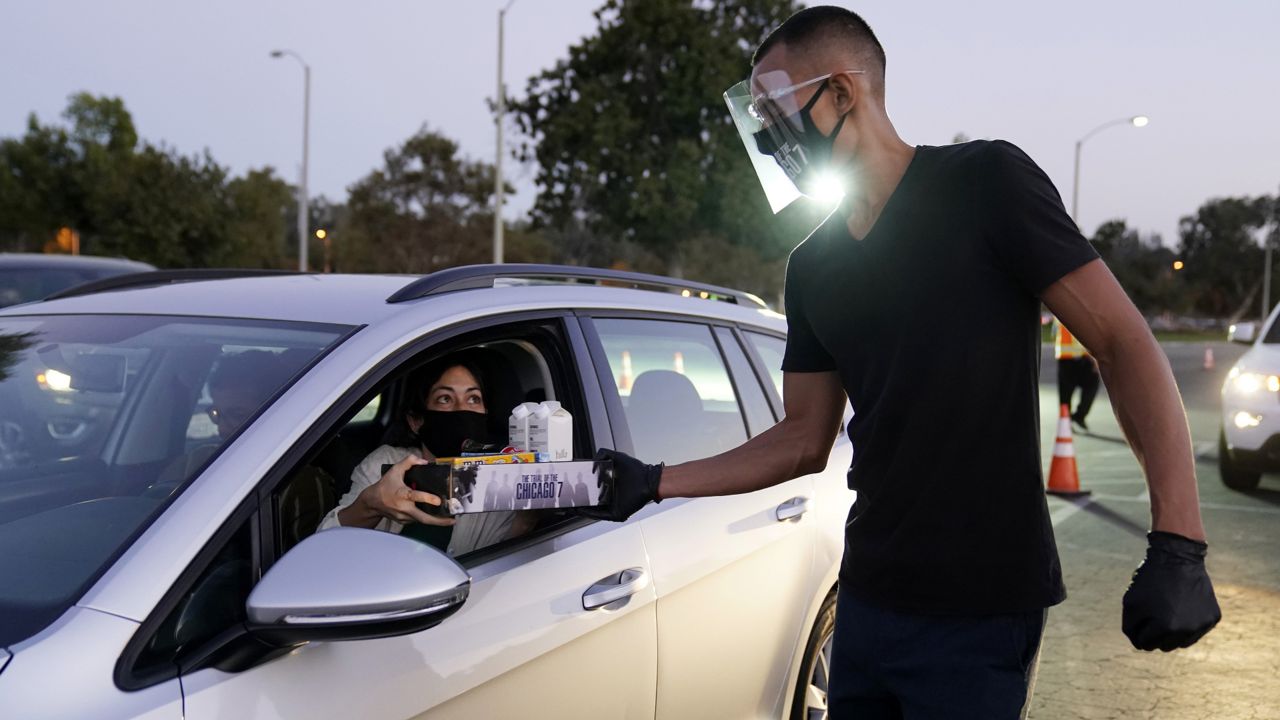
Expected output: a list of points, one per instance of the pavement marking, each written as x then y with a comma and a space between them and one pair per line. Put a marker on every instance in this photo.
1209, 505
1110, 453
1071, 507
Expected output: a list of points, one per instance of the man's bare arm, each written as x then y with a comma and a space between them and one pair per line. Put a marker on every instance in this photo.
1092, 305
798, 445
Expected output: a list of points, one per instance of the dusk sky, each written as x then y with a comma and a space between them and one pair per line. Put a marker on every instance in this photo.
198, 75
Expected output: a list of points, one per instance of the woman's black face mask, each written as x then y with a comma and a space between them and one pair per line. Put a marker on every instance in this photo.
443, 432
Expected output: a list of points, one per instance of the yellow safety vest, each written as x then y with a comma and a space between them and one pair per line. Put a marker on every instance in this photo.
1065, 345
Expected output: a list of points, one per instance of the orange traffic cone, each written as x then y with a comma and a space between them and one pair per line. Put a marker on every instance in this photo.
1208, 358
1064, 478
625, 379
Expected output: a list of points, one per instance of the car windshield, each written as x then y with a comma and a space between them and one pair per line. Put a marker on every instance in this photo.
102, 418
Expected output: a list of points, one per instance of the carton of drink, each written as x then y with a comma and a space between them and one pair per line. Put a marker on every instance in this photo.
518, 425
551, 431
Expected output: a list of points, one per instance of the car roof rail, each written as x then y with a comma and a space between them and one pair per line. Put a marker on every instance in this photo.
470, 277
131, 281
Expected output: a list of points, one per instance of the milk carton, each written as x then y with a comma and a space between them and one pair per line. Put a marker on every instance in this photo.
518, 425
551, 431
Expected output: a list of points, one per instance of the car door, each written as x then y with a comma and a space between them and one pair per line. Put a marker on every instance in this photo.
733, 574
522, 645
561, 624
832, 497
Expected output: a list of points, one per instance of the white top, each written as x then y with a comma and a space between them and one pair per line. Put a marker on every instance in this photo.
471, 531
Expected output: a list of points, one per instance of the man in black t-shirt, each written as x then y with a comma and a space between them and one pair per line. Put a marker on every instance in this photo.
919, 299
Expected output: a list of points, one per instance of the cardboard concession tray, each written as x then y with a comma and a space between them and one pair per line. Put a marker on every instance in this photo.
515, 481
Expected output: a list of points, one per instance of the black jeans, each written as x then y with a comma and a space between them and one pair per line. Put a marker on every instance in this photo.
888, 664
1077, 373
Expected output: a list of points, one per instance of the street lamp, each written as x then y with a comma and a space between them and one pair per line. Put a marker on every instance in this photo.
1136, 121
323, 236
303, 235
497, 161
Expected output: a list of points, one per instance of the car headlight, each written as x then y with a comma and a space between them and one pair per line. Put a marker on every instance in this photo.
1245, 420
1250, 383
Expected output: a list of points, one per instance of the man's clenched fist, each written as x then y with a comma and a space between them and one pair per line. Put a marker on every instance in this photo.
1170, 603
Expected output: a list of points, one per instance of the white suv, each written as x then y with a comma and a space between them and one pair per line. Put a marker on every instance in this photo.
159, 499
1249, 444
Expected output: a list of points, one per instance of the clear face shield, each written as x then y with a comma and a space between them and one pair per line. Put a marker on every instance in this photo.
786, 150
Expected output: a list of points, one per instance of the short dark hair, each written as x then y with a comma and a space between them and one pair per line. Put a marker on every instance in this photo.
821, 25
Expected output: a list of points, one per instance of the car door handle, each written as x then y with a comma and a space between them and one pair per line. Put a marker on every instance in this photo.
792, 509
614, 588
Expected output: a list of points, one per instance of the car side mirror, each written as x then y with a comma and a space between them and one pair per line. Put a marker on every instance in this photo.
355, 584
1244, 333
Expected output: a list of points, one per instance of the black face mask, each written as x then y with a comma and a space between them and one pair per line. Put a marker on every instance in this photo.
804, 158
443, 432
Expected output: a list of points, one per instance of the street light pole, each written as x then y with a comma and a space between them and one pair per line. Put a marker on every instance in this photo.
1266, 279
1136, 121
303, 220
497, 160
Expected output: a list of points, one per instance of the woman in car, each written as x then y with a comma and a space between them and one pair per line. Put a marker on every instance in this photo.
446, 409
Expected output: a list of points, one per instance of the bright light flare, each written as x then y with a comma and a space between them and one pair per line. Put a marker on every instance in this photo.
1178, 265
828, 189
54, 380
1140, 120
1248, 383
1245, 420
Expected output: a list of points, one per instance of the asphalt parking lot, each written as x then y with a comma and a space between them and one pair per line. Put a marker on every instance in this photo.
1087, 668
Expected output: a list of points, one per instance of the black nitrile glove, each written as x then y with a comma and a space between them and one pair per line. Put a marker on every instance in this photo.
634, 485
1170, 603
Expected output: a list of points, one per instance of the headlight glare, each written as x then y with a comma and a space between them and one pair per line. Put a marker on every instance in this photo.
1245, 420
1249, 383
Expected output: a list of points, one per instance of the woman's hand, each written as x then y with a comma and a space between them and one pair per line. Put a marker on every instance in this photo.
391, 498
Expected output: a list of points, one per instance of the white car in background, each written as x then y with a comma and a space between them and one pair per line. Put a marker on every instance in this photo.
158, 569
1249, 444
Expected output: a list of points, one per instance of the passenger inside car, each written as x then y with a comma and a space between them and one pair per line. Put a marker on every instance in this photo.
446, 408
237, 386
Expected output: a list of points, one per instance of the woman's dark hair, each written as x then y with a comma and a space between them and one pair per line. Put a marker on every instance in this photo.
398, 433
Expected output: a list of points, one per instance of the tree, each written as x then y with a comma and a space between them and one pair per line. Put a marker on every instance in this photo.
633, 142
131, 198
1143, 266
1219, 245
34, 198
259, 205
427, 208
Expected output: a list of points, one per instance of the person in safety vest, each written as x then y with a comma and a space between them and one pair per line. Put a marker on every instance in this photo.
1076, 369
947, 570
